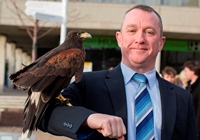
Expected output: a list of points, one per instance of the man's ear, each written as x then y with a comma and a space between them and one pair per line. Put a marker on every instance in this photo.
162, 42
118, 38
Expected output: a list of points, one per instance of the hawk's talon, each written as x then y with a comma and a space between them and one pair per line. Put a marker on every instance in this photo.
63, 100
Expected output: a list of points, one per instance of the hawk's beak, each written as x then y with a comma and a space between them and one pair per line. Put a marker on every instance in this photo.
85, 35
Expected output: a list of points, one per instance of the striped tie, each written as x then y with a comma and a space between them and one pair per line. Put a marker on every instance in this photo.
143, 110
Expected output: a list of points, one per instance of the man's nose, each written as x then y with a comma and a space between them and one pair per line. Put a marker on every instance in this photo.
139, 37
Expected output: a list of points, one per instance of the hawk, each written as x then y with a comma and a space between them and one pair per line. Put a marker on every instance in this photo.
48, 75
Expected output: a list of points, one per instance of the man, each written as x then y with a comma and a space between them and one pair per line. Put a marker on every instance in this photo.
169, 74
104, 101
192, 72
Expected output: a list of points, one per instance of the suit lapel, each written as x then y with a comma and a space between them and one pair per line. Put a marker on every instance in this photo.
115, 85
168, 103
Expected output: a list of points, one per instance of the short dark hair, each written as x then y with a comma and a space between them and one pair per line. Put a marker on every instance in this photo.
148, 9
193, 65
169, 70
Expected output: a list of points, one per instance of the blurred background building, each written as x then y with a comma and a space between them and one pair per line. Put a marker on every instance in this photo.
22, 38
101, 18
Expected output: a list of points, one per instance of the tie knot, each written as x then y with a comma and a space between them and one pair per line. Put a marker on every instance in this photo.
140, 78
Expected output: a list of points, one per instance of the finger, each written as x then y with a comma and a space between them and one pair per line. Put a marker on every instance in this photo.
114, 129
121, 138
121, 128
106, 129
117, 128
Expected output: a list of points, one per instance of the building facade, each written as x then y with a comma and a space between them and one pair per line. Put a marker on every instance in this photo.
101, 18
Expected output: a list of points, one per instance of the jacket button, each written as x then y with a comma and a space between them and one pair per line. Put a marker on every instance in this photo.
68, 125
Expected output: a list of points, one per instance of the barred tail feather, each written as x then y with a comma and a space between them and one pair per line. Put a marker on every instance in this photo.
26, 134
30, 113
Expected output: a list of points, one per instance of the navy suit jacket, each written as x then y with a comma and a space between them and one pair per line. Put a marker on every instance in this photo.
104, 92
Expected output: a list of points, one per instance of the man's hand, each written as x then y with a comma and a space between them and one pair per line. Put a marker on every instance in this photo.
109, 126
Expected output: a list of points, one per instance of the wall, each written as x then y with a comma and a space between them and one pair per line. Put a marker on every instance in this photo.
106, 16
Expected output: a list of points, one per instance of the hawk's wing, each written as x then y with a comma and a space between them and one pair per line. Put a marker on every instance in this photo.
59, 68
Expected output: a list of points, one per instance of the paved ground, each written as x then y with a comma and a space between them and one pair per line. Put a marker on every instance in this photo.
37, 135
14, 100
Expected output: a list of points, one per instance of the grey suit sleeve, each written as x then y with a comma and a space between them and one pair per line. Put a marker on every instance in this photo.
64, 120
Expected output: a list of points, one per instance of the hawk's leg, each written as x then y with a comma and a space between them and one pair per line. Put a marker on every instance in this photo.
64, 100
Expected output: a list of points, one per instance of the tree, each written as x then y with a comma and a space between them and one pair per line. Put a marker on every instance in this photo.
34, 32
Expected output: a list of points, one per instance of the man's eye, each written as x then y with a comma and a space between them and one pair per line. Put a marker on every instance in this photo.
131, 31
150, 33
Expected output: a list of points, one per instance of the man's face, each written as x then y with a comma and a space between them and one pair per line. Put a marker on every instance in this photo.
140, 40
188, 73
169, 77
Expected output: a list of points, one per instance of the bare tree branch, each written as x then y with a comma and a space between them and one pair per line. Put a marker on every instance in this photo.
75, 15
47, 32
22, 12
42, 25
22, 27
20, 18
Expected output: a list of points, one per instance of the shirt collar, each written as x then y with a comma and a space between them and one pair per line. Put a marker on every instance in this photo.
128, 73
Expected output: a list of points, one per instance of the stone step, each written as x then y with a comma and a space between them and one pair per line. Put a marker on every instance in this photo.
9, 101
2, 107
